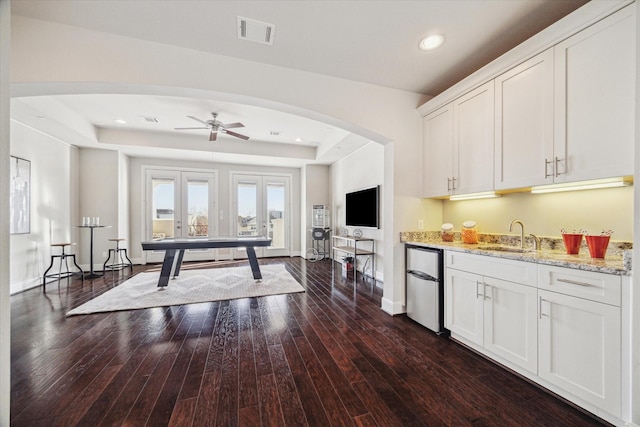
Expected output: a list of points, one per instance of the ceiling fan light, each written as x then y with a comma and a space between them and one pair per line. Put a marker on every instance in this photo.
431, 42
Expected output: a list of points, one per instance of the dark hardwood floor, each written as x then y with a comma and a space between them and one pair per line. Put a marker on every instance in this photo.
328, 356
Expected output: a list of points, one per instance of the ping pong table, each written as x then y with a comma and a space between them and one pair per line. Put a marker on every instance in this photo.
179, 246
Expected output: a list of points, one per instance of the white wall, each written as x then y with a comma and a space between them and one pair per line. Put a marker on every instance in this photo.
5, 319
51, 205
316, 190
123, 200
362, 169
99, 197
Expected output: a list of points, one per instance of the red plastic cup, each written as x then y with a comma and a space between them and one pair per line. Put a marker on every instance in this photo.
572, 243
597, 245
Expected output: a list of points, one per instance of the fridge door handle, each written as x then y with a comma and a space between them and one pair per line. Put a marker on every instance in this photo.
422, 275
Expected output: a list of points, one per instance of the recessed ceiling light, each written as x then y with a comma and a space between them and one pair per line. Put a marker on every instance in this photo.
121, 121
431, 42
298, 139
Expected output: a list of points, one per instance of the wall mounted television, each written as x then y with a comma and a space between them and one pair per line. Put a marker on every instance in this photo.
362, 207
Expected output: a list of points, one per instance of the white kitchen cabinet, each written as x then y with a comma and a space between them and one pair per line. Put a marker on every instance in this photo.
437, 152
510, 322
464, 306
594, 101
499, 316
524, 124
473, 128
580, 350
458, 145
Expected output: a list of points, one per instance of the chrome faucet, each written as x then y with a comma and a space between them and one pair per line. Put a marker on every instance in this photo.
517, 221
536, 242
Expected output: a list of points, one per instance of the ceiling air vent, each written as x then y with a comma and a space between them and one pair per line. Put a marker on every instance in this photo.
255, 31
149, 119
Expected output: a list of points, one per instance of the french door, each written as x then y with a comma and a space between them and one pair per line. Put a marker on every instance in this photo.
261, 206
180, 204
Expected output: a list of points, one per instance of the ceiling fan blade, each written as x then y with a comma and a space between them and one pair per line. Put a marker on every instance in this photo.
213, 135
237, 135
198, 120
233, 125
189, 128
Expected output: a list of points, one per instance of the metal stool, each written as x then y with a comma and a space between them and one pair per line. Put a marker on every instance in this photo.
117, 256
63, 258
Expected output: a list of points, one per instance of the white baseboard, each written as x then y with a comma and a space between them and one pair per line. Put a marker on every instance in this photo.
391, 307
25, 285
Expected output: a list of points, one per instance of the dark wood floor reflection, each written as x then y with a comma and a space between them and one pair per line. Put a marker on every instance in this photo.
329, 356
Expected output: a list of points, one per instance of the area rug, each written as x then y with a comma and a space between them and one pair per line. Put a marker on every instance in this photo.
192, 286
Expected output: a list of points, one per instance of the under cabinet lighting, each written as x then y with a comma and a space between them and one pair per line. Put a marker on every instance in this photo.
584, 185
470, 196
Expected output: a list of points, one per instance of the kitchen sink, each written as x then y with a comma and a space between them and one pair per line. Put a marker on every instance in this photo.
506, 249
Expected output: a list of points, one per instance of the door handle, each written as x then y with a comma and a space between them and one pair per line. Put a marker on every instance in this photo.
477, 293
484, 290
555, 166
574, 282
546, 168
540, 309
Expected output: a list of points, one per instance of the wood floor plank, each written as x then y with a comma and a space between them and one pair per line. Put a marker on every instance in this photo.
328, 356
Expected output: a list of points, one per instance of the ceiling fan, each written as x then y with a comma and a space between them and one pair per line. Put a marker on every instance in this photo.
217, 126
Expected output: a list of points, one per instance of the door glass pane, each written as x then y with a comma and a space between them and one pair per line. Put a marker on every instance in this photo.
276, 214
247, 208
163, 207
197, 208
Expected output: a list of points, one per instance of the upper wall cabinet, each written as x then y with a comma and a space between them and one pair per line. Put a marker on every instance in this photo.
564, 115
458, 145
524, 124
594, 100
437, 152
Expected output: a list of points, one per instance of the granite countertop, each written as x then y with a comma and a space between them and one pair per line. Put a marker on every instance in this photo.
551, 253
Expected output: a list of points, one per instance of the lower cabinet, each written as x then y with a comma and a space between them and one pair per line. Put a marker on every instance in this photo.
564, 331
498, 315
580, 348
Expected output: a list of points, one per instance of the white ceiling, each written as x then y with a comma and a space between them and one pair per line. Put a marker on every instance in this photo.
370, 41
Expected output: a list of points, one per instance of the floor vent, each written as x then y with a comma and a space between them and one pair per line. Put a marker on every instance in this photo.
255, 31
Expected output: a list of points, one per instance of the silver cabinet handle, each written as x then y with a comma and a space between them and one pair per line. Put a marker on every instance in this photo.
448, 184
555, 166
484, 290
540, 309
477, 293
546, 168
453, 181
573, 282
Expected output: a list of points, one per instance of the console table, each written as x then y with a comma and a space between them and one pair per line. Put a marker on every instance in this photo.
352, 246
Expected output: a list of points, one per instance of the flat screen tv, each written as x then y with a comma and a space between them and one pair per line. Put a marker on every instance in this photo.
362, 207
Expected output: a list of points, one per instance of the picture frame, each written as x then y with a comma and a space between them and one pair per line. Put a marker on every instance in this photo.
19, 196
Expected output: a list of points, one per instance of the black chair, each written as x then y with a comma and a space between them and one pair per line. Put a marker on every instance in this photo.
118, 262
63, 259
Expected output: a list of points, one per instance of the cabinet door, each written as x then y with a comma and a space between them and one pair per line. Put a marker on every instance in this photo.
464, 305
595, 100
579, 348
510, 322
524, 124
473, 140
437, 155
